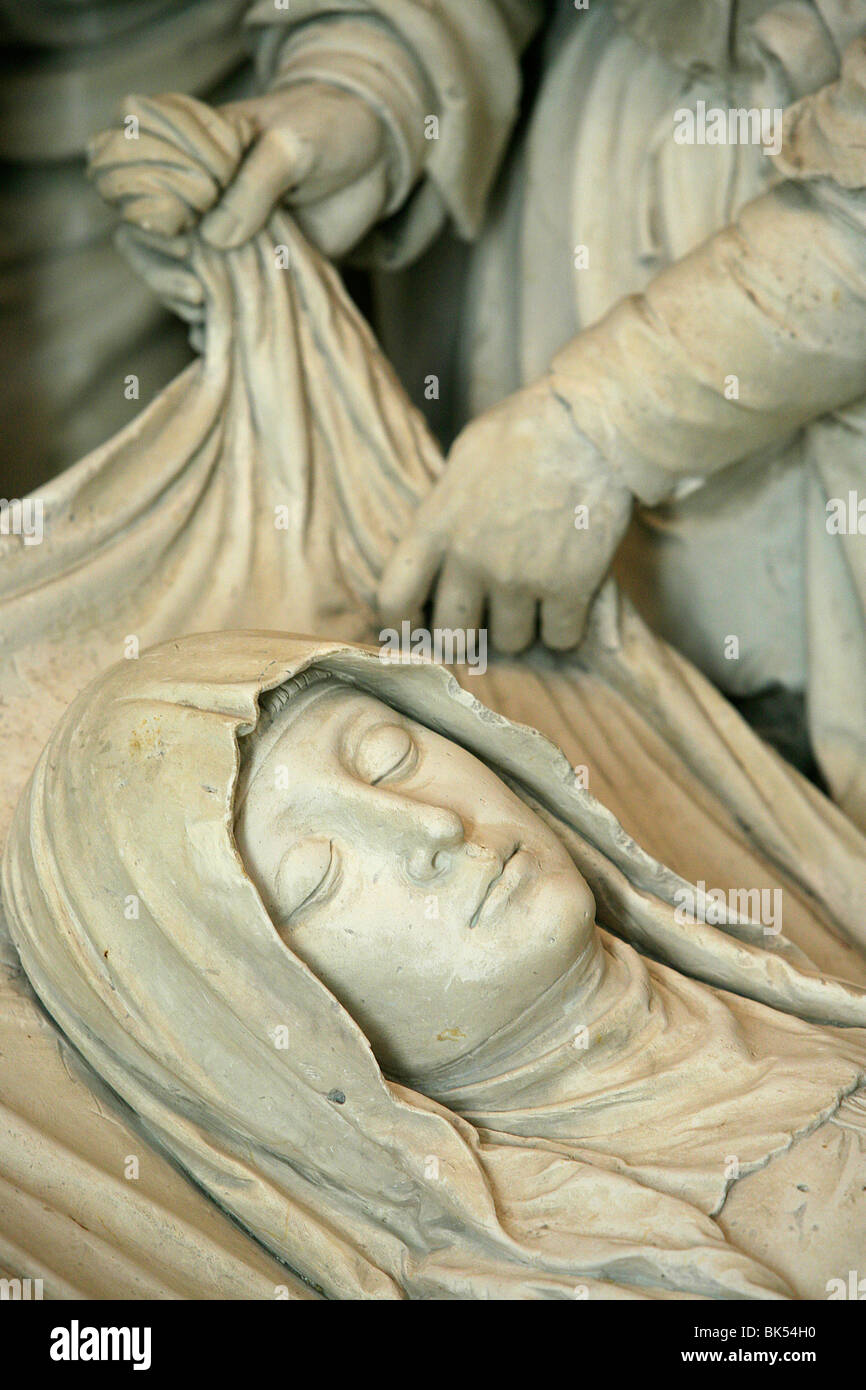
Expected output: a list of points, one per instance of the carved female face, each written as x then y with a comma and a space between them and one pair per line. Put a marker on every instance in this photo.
428, 898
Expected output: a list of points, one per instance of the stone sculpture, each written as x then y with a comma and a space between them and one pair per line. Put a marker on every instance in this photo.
267, 488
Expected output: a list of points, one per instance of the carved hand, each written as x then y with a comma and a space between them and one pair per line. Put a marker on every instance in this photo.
527, 513
315, 146
318, 146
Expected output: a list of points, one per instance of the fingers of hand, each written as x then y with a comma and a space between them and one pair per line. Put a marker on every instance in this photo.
459, 601
563, 619
407, 577
170, 280
512, 619
272, 165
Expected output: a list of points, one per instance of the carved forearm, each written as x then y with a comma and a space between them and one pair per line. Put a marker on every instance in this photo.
757, 332
740, 343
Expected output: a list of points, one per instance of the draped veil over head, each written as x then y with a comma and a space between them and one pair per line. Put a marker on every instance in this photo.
149, 945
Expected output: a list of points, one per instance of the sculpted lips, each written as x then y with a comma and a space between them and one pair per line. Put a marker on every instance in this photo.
501, 886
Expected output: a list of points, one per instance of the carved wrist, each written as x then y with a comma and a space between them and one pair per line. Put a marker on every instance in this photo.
592, 420
360, 55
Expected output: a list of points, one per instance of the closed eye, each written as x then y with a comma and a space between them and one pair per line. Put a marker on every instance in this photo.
309, 872
386, 753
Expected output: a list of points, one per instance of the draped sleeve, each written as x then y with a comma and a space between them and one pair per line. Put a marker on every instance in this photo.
445, 59
782, 285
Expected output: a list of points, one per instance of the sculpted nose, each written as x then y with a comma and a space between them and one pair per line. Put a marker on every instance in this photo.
438, 834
